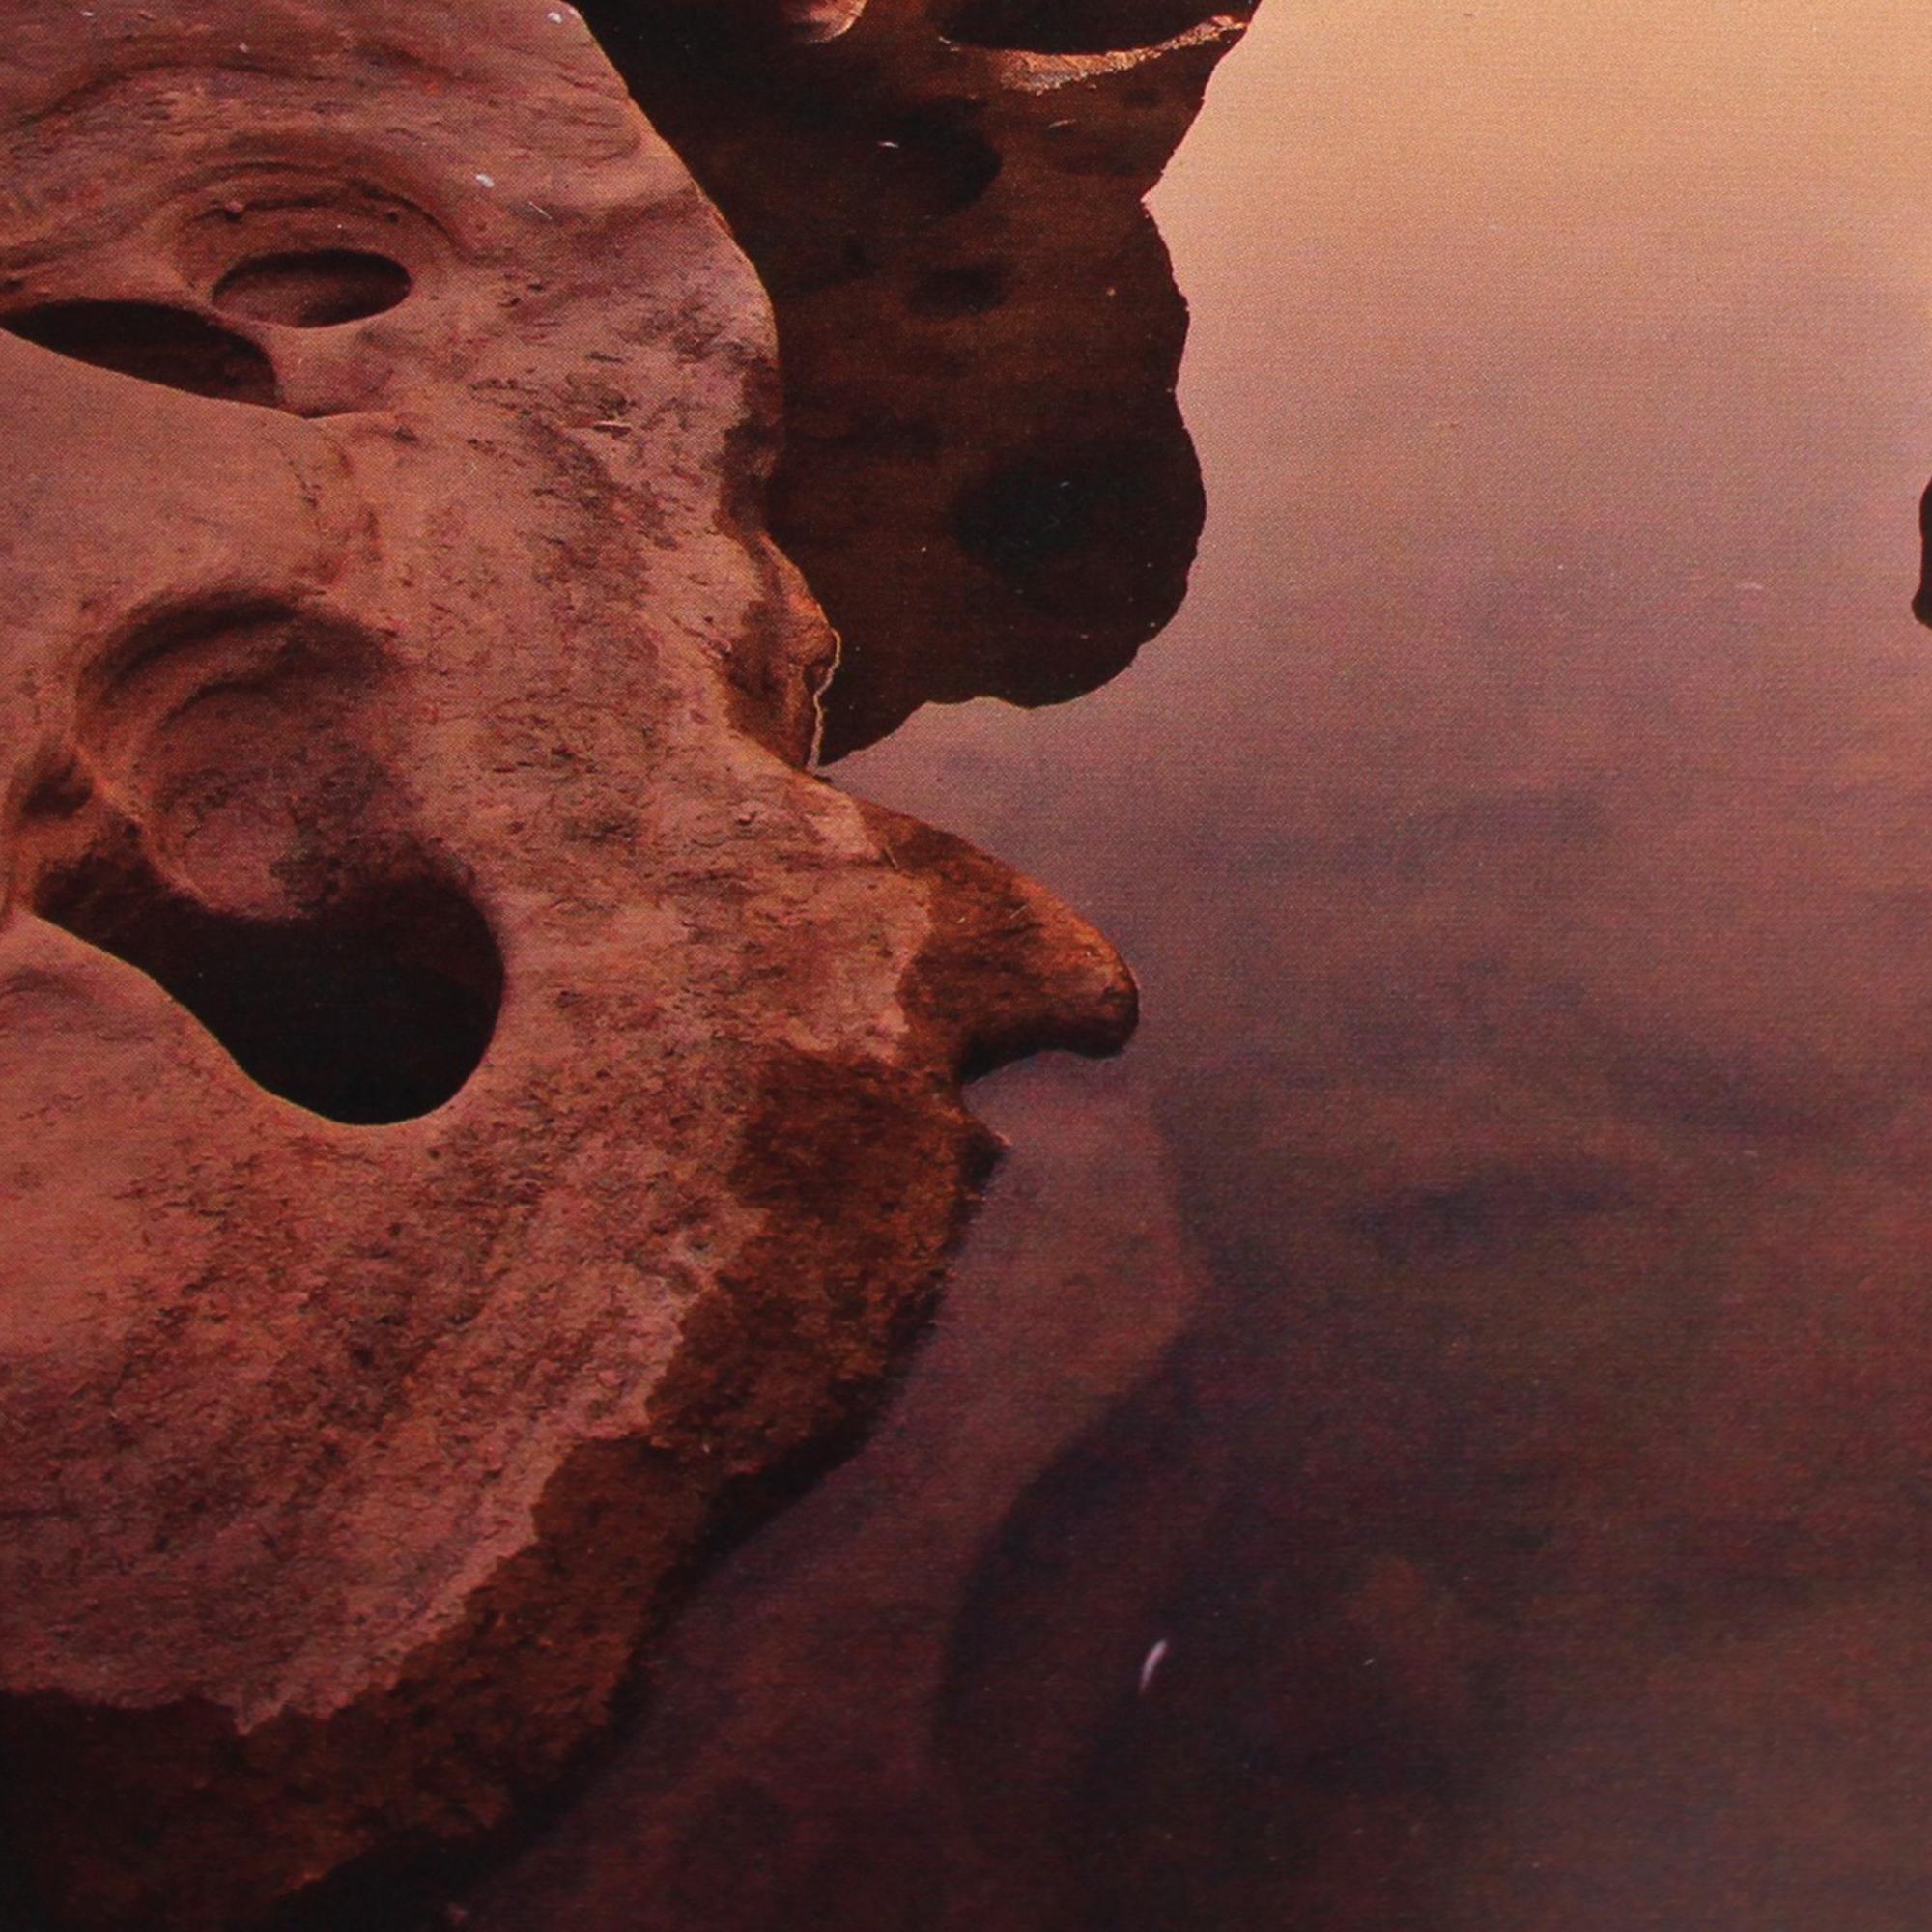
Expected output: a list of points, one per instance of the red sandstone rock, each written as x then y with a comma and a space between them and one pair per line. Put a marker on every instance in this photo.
472, 1098
758, 1792
986, 479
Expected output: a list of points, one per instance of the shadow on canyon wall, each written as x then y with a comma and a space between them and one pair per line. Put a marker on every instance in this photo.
987, 482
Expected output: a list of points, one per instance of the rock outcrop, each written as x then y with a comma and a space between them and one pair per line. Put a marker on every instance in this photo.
473, 1102
986, 479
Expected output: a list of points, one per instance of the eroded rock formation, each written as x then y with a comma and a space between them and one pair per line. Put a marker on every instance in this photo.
472, 1100
986, 479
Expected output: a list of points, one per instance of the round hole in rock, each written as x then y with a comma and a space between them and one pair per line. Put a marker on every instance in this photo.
313, 288
375, 1009
1072, 26
153, 343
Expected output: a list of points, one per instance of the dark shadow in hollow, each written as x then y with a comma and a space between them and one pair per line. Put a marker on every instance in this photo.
171, 346
313, 288
375, 1009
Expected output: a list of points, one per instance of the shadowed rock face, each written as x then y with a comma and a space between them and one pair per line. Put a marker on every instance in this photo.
986, 479
471, 1102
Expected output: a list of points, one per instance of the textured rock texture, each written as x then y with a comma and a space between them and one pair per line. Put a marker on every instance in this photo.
471, 1102
757, 1793
986, 479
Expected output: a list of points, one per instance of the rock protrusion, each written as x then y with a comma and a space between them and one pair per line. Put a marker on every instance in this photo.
473, 1102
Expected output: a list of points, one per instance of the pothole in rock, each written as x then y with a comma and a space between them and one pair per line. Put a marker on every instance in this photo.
375, 1009
153, 343
315, 288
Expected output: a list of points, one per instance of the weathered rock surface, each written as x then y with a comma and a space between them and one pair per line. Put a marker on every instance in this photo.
986, 479
757, 1793
471, 1100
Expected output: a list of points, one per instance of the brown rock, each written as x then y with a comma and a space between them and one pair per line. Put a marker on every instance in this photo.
986, 479
759, 1793
471, 1099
